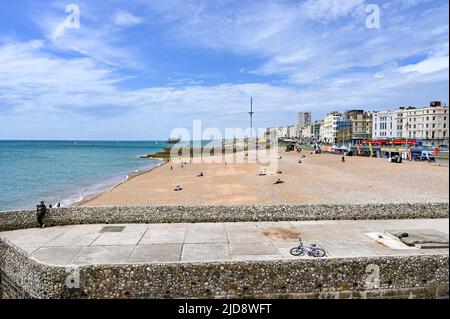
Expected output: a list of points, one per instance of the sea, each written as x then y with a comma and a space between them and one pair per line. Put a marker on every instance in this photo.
67, 171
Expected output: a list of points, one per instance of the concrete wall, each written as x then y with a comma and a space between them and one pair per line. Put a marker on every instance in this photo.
400, 276
195, 214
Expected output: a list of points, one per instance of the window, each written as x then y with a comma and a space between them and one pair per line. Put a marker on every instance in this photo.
428, 118
432, 134
434, 118
427, 125
434, 125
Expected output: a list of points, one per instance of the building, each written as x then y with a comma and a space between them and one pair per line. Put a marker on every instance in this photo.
344, 131
387, 125
306, 132
361, 129
428, 125
329, 129
289, 131
317, 128
303, 119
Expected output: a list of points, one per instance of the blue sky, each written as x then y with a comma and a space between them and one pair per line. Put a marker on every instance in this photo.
137, 69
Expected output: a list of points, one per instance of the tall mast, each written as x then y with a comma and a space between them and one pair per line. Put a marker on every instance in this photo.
251, 117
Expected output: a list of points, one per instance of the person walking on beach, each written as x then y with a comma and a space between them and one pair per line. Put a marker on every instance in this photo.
343, 159
41, 209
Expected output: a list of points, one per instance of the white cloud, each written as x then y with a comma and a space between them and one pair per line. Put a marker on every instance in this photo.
427, 66
327, 10
125, 19
323, 59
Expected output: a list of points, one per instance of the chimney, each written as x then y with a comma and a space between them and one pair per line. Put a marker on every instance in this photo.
435, 103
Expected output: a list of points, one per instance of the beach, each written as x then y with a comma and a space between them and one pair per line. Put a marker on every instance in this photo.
319, 179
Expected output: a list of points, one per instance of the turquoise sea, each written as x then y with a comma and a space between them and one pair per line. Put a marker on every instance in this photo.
67, 171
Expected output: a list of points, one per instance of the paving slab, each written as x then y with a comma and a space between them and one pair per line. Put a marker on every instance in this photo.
206, 233
32, 239
205, 252
105, 255
250, 249
57, 256
77, 236
164, 234
130, 235
157, 253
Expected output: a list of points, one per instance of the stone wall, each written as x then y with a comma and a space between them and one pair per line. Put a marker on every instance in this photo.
195, 214
424, 276
400, 276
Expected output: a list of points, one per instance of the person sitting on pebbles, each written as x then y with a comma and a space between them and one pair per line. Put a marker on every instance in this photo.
200, 175
300, 161
279, 181
178, 188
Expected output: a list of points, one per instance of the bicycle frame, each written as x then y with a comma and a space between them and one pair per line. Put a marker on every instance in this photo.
306, 249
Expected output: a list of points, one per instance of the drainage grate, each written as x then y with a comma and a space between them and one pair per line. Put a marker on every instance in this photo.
112, 229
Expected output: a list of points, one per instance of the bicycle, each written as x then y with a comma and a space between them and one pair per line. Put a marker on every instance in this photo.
312, 251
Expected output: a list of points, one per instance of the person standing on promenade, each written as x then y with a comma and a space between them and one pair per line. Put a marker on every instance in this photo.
41, 210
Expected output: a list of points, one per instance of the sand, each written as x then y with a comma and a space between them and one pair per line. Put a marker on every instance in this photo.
320, 178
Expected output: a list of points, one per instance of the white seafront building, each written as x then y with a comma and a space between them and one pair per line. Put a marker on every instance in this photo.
386, 125
329, 131
429, 124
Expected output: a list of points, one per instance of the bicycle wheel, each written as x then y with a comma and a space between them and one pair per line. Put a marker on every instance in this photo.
297, 251
318, 252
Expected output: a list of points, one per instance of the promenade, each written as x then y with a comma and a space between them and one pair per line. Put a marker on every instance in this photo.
208, 242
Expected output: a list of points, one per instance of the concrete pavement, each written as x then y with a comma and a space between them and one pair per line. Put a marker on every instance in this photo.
202, 242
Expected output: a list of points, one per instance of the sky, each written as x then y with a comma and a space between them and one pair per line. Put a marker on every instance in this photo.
137, 69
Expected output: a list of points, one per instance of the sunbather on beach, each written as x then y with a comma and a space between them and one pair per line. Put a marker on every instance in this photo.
279, 181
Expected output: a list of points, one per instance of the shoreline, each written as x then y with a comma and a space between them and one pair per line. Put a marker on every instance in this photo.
129, 177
